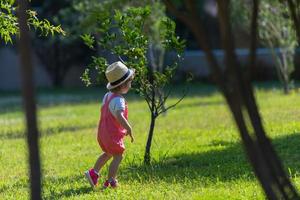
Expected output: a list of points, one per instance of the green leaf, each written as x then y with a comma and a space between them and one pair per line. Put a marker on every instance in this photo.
88, 40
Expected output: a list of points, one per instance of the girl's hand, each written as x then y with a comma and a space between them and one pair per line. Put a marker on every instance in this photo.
132, 138
123, 121
130, 135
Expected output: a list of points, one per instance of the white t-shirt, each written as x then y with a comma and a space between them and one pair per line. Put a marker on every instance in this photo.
117, 103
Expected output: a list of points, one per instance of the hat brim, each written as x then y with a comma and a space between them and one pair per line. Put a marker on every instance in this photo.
131, 72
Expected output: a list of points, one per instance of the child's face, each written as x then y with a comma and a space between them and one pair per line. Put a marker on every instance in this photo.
126, 86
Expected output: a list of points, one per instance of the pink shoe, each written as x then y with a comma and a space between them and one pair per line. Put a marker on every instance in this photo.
113, 183
92, 177
105, 184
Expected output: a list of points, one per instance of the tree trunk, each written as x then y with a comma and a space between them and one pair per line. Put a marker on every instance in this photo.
286, 89
147, 157
238, 93
29, 103
285, 72
264, 159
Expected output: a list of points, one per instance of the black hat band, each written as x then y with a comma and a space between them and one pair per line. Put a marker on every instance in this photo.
121, 79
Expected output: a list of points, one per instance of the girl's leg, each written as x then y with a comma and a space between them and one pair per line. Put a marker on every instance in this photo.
114, 166
101, 161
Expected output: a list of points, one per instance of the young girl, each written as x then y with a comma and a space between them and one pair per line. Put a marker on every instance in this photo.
113, 125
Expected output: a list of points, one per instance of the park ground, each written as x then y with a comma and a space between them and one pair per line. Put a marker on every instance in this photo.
196, 151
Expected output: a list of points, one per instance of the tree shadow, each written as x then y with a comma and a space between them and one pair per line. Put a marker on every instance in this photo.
202, 104
59, 193
20, 184
12, 101
226, 164
20, 134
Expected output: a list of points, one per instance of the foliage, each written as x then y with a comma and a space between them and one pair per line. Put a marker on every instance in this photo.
276, 30
124, 36
240, 14
9, 24
92, 12
206, 161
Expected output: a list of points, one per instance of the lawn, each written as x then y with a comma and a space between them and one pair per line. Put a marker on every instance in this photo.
196, 152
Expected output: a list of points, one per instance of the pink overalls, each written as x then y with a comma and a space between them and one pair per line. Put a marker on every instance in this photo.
110, 132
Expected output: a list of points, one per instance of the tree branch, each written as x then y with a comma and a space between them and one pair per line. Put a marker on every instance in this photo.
163, 101
172, 106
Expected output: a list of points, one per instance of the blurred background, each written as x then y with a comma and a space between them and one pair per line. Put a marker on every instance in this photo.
60, 60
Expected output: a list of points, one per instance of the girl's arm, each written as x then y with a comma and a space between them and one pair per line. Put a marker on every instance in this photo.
123, 121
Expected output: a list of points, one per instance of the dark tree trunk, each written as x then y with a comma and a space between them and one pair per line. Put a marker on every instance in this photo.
29, 103
147, 156
238, 93
262, 155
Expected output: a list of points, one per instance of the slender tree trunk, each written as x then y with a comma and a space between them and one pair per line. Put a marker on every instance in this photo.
152, 107
156, 62
147, 157
285, 72
266, 160
29, 103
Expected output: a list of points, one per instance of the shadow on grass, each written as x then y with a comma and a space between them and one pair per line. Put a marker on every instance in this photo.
19, 134
225, 165
11, 101
202, 104
207, 168
64, 187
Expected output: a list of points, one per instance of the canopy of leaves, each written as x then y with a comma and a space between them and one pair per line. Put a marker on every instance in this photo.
124, 34
9, 26
276, 26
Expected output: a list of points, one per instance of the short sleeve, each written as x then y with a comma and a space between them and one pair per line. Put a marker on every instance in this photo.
117, 103
105, 97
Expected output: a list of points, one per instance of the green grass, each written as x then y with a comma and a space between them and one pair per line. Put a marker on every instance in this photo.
196, 151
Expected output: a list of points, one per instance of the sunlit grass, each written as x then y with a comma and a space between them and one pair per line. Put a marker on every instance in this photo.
196, 151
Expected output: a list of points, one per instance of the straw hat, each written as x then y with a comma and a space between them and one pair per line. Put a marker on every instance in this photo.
116, 74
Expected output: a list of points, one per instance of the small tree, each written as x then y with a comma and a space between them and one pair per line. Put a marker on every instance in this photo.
276, 30
92, 12
124, 36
